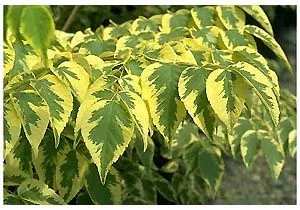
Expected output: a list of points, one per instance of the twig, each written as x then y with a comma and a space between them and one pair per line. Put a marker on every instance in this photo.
70, 18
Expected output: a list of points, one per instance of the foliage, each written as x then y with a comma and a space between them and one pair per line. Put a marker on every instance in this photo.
89, 117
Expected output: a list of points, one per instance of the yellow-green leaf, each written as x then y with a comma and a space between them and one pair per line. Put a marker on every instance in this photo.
259, 15
270, 42
59, 99
204, 16
231, 16
249, 147
192, 91
74, 76
107, 130
37, 192
34, 114
160, 89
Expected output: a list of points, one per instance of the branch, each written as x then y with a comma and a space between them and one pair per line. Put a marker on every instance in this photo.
70, 18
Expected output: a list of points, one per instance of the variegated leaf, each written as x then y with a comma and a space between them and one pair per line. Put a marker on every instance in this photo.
176, 34
249, 146
172, 21
225, 93
74, 76
233, 38
37, 192
252, 57
130, 83
97, 65
34, 114
261, 86
12, 199
259, 15
138, 112
146, 156
160, 88
207, 36
135, 66
115, 32
20, 157
204, 16
98, 48
274, 154
60, 102
13, 176
270, 42
192, 91
143, 24
96, 92
107, 130
110, 192
292, 142
70, 173
46, 161
231, 16
11, 127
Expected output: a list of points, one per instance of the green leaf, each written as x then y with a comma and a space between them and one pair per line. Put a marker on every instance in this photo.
20, 157
252, 57
204, 16
285, 127
225, 93
46, 161
107, 130
207, 36
130, 83
231, 16
13, 20
109, 193
192, 91
60, 102
172, 21
13, 176
34, 114
233, 38
274, 154
259, 15
37, 26
143, 24
261, 86
239, 129
37, 192
74, 76
270, 42
146, 157
70, 173
12, 199
138, 112
11, 127
97, 48
292, 142
160, 89
249, 146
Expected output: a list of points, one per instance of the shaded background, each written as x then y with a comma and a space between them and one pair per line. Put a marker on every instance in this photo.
240, 185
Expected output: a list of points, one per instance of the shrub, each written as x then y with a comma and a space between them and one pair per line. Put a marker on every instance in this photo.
141, 112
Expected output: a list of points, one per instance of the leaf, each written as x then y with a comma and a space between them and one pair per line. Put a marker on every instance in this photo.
249, 146
252, 57
97, 48
138, 112
109, 193
146, 157
192, 89
12, 199
74, 76
233, 38
274, 154
163, 186
231, 16
239, 129
270, 42
292, 142
259, 15
107, 130
135, 66
143, 24
285, 127
261, 86
34, 114
207, 36
159, 88
37, 192
130, 83
46, 161
173, 21
204, 16
70, 173
13, 19
37, 26
96, 92
20, 157
224, 92
60, 102
11, 127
